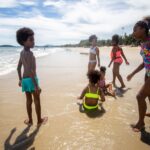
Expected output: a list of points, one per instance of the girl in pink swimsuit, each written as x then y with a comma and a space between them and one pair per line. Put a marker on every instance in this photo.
116, 59
106, 88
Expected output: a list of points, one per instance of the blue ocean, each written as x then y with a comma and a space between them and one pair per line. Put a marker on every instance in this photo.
9, 56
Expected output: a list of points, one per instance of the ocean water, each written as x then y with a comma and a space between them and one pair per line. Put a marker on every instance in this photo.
9, 56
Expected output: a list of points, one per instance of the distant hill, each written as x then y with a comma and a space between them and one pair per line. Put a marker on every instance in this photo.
7, 46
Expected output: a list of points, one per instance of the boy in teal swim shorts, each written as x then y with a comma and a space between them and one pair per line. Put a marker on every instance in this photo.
29, 81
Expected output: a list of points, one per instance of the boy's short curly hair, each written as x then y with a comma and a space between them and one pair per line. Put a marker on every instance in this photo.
93, 76
115, 38
22, 34
92, 37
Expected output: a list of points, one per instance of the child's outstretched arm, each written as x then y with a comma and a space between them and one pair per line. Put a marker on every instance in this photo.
98, 58
19, 71
83, 93
124, 57
110, 62
114, 57
139, 68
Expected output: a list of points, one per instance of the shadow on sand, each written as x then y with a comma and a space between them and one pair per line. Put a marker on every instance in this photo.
120, 92
145, 136
23, 141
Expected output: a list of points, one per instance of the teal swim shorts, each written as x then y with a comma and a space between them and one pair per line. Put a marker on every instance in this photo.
28, 85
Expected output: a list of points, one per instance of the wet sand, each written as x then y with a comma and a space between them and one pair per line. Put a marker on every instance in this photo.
62, 77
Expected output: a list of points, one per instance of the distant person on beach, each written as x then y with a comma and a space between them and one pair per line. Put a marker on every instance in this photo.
106, 88
141, 32
94, 52
29, 81
92, 93
116, 58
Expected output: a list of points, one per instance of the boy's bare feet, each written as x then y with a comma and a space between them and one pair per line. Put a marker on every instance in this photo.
123, 86
27, 122
42, 121
137, 127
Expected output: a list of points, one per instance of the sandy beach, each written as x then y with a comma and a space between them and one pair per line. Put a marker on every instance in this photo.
62, 77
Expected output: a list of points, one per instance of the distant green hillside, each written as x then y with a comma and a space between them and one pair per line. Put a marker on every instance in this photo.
123, 40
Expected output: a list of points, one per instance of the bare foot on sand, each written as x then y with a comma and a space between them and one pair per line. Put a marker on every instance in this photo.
147, 114
137, 127
27, 122
123, 86
43, 121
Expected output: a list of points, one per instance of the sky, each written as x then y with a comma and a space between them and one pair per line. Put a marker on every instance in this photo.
57, 22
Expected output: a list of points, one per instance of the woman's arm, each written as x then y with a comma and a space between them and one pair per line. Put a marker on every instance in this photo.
110, 62
98, 58
124, 57
114, 57
139, 68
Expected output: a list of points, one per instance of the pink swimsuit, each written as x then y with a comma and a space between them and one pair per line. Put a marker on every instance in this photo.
118, 58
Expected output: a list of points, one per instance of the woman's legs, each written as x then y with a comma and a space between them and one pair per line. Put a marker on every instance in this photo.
147, 114
117, 68
143, 93
91, 66
29, 108
114, 75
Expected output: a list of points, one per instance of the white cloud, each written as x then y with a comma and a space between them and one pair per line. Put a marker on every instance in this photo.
15, 3
59, 4
27, 2
8, 3
79, 20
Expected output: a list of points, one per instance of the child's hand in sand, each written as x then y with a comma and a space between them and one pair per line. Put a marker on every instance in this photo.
129, 77
19, 83
127, 63
78, 97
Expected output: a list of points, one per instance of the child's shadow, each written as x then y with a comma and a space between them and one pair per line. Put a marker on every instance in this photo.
145, 136
92, 114
120, 92
23, 141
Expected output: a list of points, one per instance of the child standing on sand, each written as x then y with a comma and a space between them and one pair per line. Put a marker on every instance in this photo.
116, 57
141, 32
92, 93
94, 52
29, 80
106, 88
